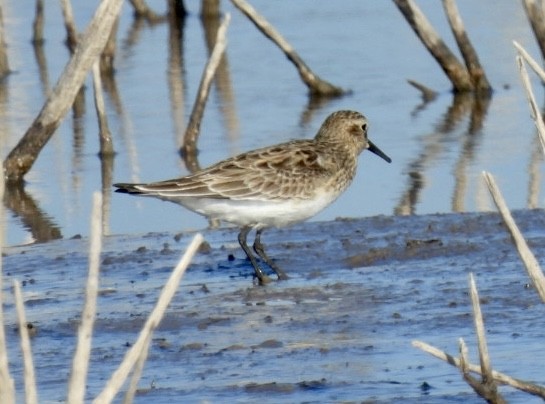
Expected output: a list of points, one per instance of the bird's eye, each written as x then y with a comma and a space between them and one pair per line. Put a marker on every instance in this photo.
364, 127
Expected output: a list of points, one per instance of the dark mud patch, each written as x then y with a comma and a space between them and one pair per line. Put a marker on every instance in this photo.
338, 330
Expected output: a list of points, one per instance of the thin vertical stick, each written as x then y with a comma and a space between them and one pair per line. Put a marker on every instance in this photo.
476, 71
106, 145
70, 25
464, 361
486, 369
464, 367
530, 262
38, 24
31, 395
193, 127
137, 373
141, 10
530, 60
534, 109
4, 64
534, 12
80, 362
118, 377
210, 8
7, 388
488, 388
108, 54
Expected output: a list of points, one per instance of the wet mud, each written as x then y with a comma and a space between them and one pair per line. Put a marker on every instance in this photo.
339, 330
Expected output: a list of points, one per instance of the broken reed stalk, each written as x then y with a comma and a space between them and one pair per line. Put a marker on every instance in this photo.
105, 136
210, 9
530, 262
473, 382
484, 358
31, 395
80, 361
317, 86
534, 109
498, 376
535, 13
189, 146
141, 10
4, 64
107, 57
530, 60
487, 388
464, 359
118, 377
427, 93
481, 84
7, 386
137, 373
24, 154
38, 24
455, 71
69, 25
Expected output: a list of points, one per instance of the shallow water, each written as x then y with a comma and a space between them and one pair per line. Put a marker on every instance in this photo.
339, 330
438, 150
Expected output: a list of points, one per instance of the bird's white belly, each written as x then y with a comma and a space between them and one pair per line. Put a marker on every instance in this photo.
260, 213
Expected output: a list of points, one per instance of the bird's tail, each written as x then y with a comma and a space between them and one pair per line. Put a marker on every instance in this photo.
126, 188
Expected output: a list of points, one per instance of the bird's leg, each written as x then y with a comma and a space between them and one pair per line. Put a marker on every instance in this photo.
262, 276
260, 250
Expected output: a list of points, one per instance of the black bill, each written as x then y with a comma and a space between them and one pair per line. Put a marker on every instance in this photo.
378, 152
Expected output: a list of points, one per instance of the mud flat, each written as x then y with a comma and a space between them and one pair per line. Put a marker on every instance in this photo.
339, 330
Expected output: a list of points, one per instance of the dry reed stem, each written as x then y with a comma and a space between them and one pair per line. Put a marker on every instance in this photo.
107, 56
210, 9
534, 108
530, 60
534, 12
105, 136
189, 147
530, 262
69, 25
487, 388
137, 372
118, 377
476, 72
484, 358
4, 63
498, 376
315, 84
428, 94
141, 10
80, 361
31, 395
25, 153
455, 71
464, 361
38, 24
7, 386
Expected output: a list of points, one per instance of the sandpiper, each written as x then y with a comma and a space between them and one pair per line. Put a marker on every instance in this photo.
274, 186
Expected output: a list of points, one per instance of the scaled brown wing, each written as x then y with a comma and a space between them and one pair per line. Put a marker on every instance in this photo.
272, 173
